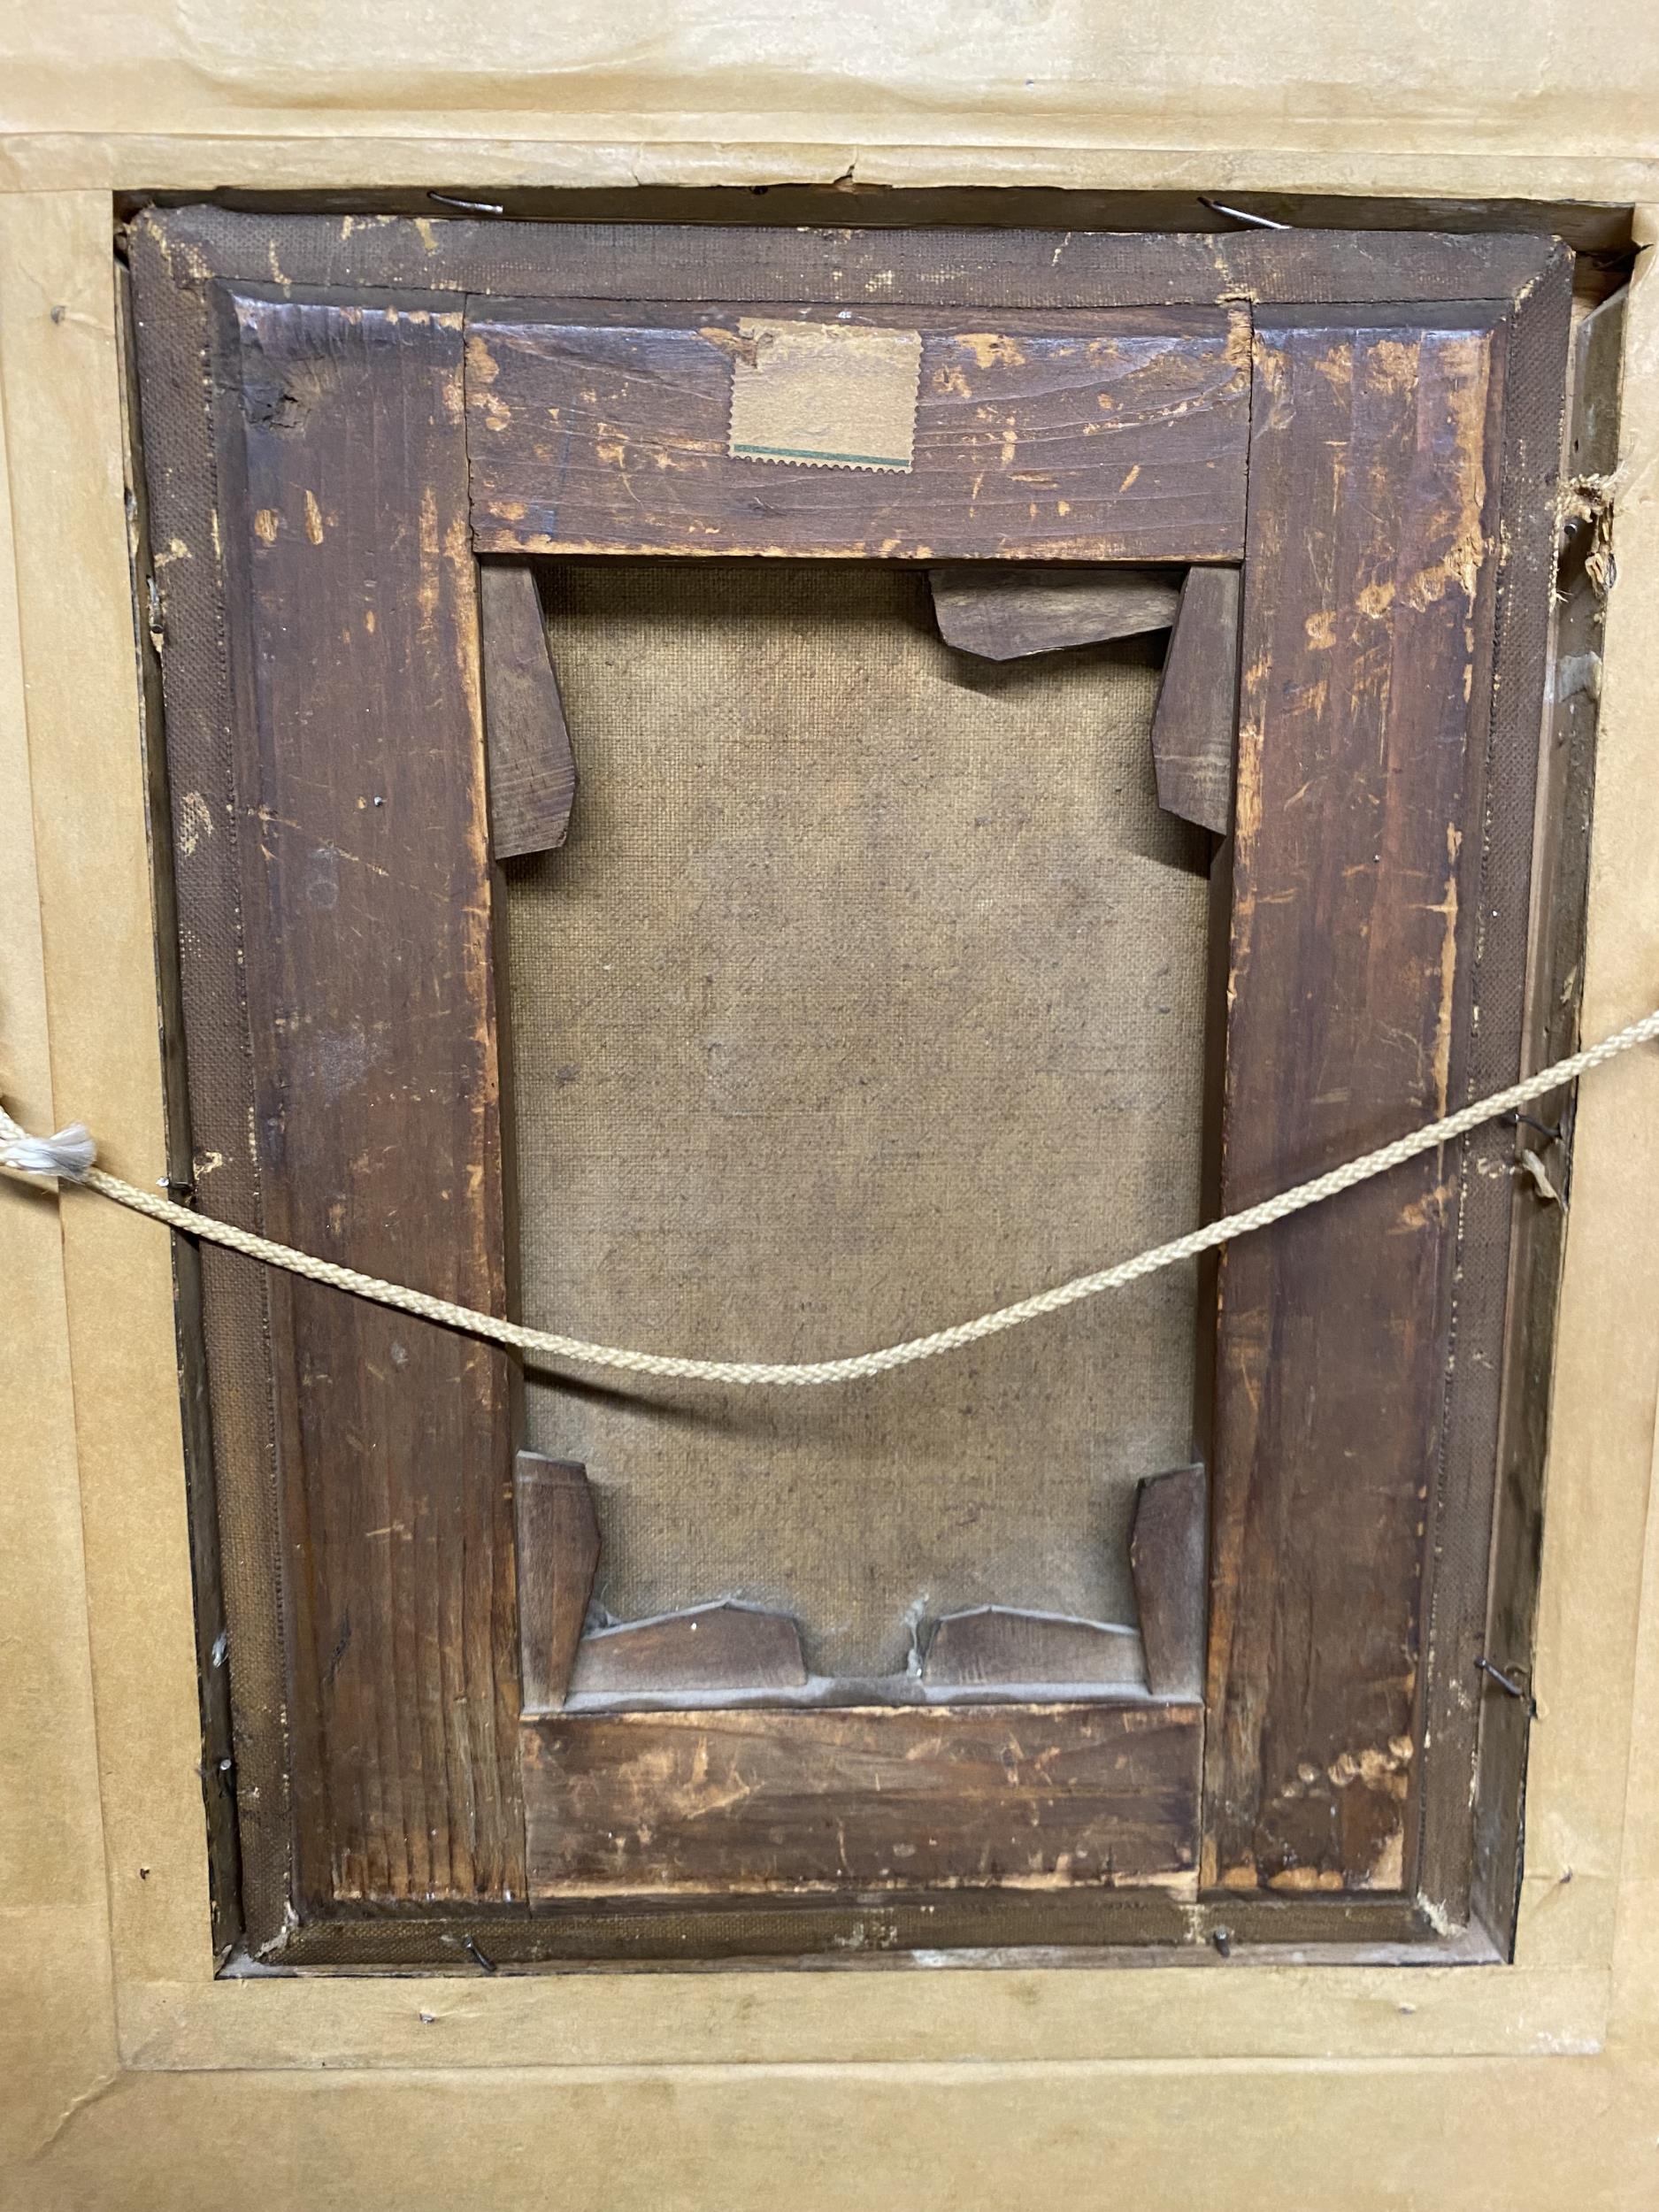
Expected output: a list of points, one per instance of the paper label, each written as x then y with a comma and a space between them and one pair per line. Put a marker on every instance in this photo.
834, 395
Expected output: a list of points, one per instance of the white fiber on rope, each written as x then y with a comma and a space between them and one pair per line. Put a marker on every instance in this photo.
70, 1156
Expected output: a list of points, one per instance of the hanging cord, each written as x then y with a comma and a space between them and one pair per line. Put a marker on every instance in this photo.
70, 1156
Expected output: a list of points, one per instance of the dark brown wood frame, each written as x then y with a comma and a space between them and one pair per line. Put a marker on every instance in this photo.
1394, 647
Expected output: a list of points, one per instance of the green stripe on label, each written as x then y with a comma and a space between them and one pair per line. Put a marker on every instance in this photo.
803, 453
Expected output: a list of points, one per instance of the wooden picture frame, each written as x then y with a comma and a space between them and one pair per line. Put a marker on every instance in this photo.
1350, 458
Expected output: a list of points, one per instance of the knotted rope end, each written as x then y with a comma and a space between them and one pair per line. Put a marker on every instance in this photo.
70, 1154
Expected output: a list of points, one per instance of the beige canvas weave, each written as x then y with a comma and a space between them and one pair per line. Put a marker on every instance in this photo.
866, 993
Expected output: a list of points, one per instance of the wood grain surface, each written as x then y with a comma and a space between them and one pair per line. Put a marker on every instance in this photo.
1366, 655
532, 768
1002, 1643
1169, 1547
1109, 436
1004, 613
940, 267
557, 1542
707, 1646
371, 1031
1195, 727
1016, 1796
